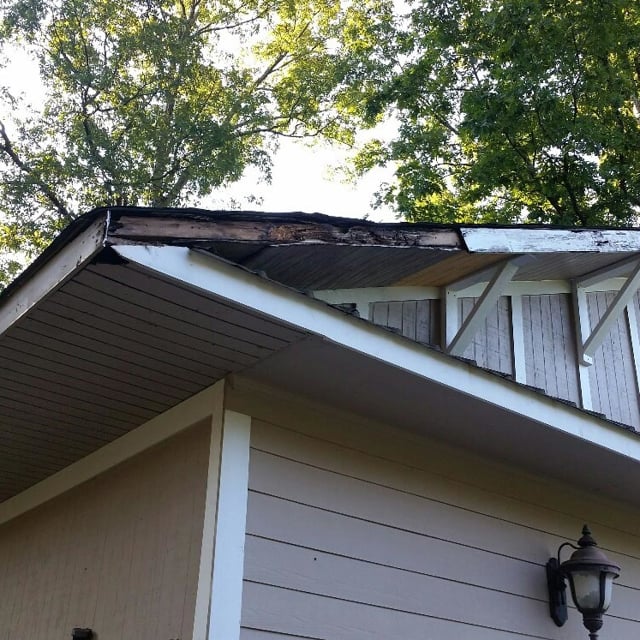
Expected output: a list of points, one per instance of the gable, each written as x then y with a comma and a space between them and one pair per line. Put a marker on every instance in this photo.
152, 314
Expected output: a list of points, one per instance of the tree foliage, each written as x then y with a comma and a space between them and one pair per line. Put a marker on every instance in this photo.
514, 110
159, 102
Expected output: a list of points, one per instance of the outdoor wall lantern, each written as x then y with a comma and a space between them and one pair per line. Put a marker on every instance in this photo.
590, 575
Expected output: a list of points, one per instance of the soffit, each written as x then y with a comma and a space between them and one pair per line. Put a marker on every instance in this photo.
341, 267
112, 348
117, 345
311, 267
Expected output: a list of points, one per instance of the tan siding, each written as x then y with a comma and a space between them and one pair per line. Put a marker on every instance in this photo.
549, 342
612, 375
491, 347
355, 532
119, 554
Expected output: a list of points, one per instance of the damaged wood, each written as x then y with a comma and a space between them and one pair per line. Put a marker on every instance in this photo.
280, 231
549, 240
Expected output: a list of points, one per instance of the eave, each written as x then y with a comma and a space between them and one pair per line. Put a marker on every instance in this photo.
110, 333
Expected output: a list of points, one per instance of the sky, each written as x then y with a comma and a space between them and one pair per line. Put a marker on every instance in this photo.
302, 181
301, 177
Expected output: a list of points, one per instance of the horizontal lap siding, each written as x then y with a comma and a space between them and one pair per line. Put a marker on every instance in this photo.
352, 544
119, 554
612, 375
549, 345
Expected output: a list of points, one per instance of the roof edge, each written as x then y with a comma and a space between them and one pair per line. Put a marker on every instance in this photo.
69, 252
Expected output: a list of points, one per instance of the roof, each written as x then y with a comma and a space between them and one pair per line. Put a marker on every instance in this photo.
131, 311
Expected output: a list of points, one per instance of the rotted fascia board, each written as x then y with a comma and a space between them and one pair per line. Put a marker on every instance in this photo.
294, 308
535, 240
55, 272
281, 229
494, 289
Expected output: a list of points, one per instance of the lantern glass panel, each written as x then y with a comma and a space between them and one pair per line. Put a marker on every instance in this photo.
608, 588
586, 588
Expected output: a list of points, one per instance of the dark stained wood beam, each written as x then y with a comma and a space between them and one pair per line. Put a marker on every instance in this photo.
279, 229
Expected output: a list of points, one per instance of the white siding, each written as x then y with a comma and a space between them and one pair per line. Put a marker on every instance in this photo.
356, 532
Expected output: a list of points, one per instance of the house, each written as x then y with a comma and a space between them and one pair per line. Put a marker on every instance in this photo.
224, 425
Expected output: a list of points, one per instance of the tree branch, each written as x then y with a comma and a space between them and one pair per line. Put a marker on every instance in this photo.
7, 147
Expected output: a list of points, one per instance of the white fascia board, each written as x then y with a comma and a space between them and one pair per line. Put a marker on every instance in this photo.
519, 240
164, 426
247, 289
71, 258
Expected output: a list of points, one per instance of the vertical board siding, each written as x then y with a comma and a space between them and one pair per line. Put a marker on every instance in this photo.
119, 554
612, 375
491, 347
349, 543
415, 319
550, 352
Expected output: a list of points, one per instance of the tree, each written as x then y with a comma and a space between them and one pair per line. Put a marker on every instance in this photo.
158, 102
514, 110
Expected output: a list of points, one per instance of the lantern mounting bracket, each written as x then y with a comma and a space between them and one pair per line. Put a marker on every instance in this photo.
586, 561
557, 587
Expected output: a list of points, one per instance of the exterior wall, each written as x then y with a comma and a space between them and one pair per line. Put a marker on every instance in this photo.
549, 349
550, 345
357, 531
614, 391
492, 346
119, 554
415, 319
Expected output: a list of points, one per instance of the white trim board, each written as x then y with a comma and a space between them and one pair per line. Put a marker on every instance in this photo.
231, 519
376, 294
246, 289
203, 594
156, 430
